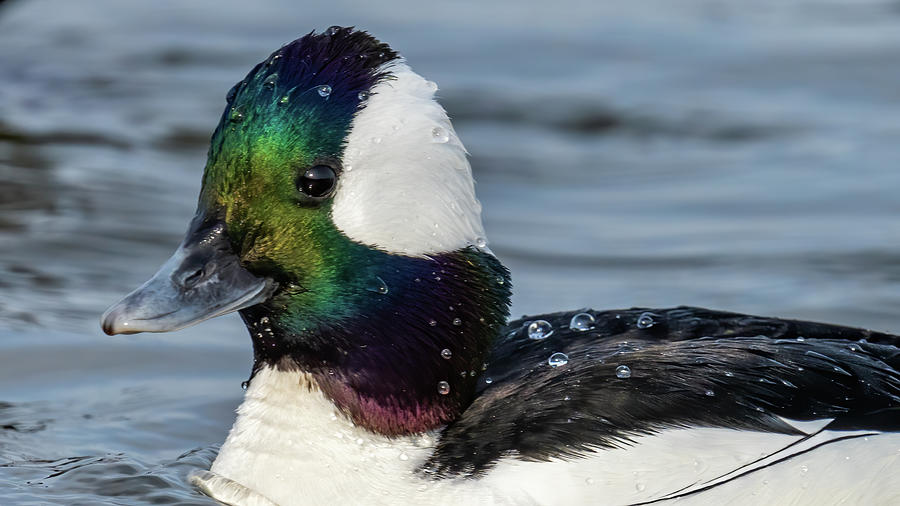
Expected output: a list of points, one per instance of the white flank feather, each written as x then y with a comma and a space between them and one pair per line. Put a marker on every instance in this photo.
290, 446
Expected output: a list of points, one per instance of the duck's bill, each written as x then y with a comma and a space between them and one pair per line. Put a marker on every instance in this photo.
202, 280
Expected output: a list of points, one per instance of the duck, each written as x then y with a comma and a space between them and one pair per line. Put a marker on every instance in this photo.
338, 217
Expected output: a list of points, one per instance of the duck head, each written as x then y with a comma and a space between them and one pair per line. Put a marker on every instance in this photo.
338, 215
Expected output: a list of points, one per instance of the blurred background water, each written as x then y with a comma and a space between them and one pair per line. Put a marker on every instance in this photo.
730, 154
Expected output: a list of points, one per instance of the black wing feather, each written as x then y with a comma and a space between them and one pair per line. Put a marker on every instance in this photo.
691, 368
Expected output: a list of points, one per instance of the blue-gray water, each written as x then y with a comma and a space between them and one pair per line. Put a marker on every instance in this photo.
732, 154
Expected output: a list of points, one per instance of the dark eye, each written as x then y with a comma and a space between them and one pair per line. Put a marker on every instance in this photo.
317, 181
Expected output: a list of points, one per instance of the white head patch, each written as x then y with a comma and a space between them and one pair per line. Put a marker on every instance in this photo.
406, 186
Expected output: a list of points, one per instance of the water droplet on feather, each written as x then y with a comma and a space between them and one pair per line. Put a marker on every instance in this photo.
539, 329
582, 322
271, 81
378, 286
645, 320
439, 135
558, 359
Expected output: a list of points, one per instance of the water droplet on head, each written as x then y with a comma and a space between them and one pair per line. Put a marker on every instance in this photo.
333, 30
804, 469
404, 456
378, 286
558, 359
362, 95
645, 320
283, 100
376, 140
710, 393
589, 481
639, 486
236, 115
270, 81
500, 280
539, 329
439, 135
432, 323
324, 90
444, 387
446, 353
582, 322
800, 339
480, 242
457, 322
274, 59
244, 385
488, 380
431, 85
623, 371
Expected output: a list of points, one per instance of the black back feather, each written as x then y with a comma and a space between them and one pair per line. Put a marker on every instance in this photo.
690, 367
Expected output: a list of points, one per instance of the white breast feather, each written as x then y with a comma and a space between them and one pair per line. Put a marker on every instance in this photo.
407, 186
289, 446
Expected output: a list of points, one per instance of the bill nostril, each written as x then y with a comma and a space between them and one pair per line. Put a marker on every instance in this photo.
192, 278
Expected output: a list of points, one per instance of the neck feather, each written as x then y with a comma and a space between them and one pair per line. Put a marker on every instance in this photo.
384, 363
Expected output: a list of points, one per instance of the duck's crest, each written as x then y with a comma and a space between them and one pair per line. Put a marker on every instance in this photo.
348, 61
307, 91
